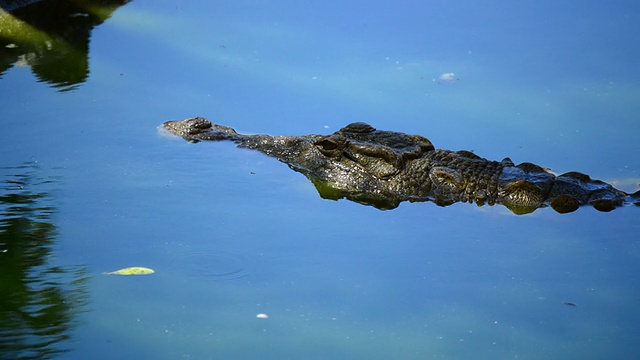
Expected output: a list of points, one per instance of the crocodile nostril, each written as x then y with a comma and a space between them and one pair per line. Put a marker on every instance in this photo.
200, 123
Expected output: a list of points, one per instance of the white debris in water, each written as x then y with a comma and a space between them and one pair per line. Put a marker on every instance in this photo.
446, 78
262, 316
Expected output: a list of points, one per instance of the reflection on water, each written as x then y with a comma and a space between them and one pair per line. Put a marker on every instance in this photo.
39, 301
52, 37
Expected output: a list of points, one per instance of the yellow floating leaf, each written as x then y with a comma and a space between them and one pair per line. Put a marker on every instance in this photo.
135, 270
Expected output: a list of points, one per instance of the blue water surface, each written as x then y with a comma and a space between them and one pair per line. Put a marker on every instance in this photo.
232, 233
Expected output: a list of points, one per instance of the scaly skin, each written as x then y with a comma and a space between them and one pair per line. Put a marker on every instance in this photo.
384, 168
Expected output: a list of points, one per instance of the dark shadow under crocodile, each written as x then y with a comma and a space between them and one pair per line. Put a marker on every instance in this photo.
385, 168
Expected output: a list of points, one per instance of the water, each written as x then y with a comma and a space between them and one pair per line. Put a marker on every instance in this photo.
232, 233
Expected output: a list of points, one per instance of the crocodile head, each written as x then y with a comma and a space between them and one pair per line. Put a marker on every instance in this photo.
356, 162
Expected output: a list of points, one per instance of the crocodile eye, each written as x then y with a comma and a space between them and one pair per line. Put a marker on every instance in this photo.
328, 144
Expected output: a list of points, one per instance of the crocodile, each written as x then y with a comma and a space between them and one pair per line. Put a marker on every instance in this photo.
384, 168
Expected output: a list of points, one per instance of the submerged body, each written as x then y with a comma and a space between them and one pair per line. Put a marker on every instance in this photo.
384, 168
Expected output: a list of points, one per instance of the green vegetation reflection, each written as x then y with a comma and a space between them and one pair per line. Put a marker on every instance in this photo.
39, 300
52, 37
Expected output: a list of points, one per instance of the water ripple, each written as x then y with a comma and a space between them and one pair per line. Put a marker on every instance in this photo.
215, 265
